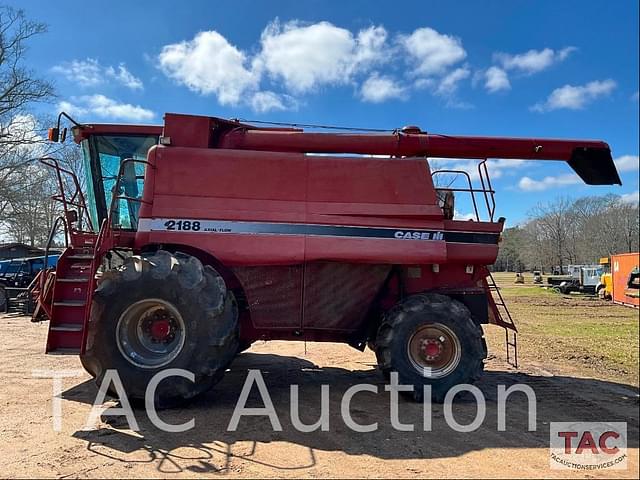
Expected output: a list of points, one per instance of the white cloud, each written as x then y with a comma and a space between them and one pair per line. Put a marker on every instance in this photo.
432, 52
296, 58
633, 197
463, 216
634, 97
86, 73
533, 61
496, 79
267, 101
105, 107
497, 167
449, 83
124, 77
432, 58
627, 163
305, 57
575, 97
209, 64
378, 88
530, 185
90, 73
371, 47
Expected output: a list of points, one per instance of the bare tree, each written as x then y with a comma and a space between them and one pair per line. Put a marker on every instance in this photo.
32, 210
18, 86
21, 139
565, 232
554, 221
19, 90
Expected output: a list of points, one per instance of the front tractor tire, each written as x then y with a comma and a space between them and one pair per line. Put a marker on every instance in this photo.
158, 311
430, 339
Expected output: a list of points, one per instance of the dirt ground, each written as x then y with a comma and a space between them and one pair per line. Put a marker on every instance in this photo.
565, 391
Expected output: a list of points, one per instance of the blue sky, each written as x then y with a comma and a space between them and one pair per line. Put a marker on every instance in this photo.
512, 68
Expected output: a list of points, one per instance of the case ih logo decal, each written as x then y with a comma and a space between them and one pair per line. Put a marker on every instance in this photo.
268, 228
419, 235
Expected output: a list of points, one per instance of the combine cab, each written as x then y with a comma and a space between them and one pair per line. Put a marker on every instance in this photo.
196, 238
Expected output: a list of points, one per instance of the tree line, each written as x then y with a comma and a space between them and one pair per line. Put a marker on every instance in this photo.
26, 209
567, 231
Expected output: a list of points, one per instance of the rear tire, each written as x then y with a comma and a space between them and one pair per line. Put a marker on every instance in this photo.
430, 339
161, 311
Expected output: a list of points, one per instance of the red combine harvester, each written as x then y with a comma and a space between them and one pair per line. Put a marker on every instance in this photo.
198, 237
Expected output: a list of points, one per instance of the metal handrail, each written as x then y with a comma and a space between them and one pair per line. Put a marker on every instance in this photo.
483, 172
61, 197
52, 234
470, 189
486, 190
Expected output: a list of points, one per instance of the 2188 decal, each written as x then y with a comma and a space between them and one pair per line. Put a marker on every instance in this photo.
183, 225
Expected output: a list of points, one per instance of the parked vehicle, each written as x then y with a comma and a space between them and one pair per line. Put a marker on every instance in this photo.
584, 279
572, 276
604, 289
537, 276
203, 235
17, 274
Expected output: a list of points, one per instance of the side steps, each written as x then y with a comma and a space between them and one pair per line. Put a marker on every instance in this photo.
506, 321
70, 303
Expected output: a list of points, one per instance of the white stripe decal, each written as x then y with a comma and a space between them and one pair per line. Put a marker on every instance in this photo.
273, 228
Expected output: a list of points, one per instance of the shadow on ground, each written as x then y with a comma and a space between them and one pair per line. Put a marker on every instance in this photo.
210, 447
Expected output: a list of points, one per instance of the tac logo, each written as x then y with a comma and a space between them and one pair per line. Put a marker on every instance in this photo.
588, 445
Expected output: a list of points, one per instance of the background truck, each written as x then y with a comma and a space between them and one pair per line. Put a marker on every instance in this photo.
604, 289
16, 275
582, 278
200, 236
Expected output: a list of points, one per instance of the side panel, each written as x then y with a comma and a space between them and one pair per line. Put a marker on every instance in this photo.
367, 181
337, 296
274, 295
207, 184
274, 188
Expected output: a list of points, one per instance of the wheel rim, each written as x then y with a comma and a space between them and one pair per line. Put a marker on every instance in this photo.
434, 350
150, 333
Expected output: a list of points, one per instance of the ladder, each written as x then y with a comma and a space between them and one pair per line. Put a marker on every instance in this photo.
504, 320
71, 299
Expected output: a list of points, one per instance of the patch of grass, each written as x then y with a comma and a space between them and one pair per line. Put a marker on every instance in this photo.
524, 291
598, 338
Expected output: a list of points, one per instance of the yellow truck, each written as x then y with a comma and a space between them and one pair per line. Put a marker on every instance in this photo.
604, 289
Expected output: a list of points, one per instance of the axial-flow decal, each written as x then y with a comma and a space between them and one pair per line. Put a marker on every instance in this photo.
270, 228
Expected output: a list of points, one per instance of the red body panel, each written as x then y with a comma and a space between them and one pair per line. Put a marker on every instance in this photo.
258, 186
308, 282
314, 246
